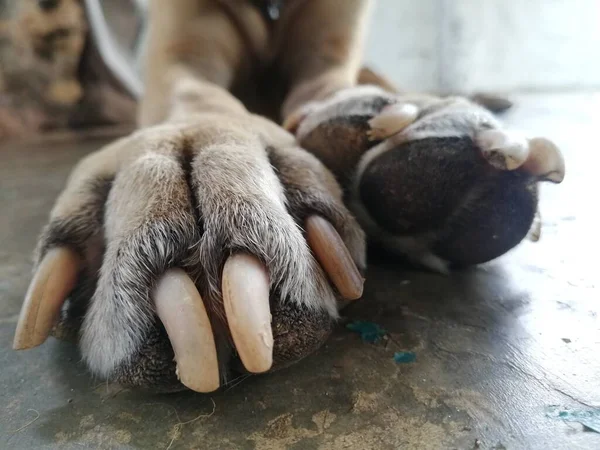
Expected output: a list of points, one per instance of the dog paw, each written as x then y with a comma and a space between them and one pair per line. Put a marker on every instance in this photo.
183, 253
438, 180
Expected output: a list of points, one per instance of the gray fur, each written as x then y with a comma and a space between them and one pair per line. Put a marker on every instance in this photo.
242, 206
177, 202
438, 120
149, 227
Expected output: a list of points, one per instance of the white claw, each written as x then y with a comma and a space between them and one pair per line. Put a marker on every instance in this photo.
535, 231
246, 299
182, 312
392, 119
505, 150
545, 161
293, 121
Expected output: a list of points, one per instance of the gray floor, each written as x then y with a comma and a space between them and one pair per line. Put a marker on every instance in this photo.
496, 345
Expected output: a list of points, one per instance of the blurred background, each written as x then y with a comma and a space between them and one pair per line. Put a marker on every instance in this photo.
53, 78
487, 45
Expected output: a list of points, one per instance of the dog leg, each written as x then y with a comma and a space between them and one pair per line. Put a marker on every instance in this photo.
322, 51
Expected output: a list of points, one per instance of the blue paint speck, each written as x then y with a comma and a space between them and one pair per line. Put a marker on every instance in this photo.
589, 418
405, 357
369, 331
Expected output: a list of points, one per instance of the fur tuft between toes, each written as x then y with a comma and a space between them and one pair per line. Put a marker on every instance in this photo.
243, 208
121, 313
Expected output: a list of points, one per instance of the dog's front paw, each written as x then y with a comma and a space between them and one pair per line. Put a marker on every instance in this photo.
438, 180
184, 252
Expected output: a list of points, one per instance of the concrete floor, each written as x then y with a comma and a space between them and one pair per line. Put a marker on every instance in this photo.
496, 345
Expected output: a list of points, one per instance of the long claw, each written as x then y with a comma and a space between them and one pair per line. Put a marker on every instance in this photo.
391, 120
508, 150
55, 278
492, 102
293, 121
246, 299
535, 231
182, 312
545, 161
334, 257
503, 149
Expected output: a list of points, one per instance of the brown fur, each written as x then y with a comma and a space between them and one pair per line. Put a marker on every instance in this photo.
204, 177
170, 178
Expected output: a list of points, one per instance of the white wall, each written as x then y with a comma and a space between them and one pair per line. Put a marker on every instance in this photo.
498, 45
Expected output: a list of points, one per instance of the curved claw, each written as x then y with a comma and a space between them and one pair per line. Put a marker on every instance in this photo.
293, 121
502, 149
535, 231
182, 312
54, 279
507, 150
334, 257
545, 161
492, 102
391, 120
246, 299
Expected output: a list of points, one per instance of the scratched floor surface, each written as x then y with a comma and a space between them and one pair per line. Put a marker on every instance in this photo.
496, 346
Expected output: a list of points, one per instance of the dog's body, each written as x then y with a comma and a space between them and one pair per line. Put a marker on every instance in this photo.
312, 49
206, 193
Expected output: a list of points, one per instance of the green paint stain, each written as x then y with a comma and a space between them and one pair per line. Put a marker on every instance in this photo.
369, 332
405, 357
